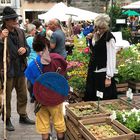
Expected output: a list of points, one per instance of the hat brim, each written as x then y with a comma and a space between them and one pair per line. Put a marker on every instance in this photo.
10, 16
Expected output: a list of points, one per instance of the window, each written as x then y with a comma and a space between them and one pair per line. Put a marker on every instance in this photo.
5, 2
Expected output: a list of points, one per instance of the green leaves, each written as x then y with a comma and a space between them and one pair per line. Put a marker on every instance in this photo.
128, 64
131, 119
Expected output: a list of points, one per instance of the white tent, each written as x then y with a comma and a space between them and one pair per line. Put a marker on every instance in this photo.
134, 5
80, 14
57, 11
63, 13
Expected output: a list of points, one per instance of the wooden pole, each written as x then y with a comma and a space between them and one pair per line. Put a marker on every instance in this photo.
4, 84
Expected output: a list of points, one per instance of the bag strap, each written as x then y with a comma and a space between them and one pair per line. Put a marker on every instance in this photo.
38, 66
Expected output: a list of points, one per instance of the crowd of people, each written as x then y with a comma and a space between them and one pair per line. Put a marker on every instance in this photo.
34, 50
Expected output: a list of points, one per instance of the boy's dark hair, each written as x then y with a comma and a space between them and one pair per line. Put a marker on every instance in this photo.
39, 43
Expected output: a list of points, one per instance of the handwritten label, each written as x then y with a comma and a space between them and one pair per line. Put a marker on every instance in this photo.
71, 89
129, 94
113, 116
99, 94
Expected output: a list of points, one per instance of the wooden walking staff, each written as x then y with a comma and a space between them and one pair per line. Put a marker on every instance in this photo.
4, 84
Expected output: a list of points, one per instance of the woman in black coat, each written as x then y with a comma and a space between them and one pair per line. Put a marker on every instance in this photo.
102, 63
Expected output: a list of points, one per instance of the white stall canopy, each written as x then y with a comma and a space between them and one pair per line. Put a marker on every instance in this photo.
63, 13
133, 5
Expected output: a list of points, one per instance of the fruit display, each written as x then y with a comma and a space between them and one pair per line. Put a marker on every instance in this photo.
102, 131
84, 110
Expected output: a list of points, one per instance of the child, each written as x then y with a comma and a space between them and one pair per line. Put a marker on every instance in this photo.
46, 62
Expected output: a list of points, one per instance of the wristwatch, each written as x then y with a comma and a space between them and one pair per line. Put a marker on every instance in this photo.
108, 77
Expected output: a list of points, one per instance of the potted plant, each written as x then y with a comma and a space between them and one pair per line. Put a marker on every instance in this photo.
128, 66
131, 119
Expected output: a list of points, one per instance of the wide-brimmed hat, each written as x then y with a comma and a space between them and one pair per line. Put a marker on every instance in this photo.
51, 89
9, 13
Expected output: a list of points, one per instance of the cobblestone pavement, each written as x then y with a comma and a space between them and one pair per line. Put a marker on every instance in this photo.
22, 132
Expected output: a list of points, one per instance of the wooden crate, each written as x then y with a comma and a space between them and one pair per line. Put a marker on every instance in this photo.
116, 104
122, 87
135, 86
73, 98
74, 117
137, 136
73, 130
135, 101
69, 135
124, 133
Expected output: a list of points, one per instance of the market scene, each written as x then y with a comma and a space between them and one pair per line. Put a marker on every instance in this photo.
69, 70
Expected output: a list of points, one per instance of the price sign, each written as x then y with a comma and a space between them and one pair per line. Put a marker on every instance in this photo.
129, 94
71, 89
99, 94
113, 116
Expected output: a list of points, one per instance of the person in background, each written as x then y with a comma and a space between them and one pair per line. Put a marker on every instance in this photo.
39, 27
31, 31
20, 22
17, 52
57, 40
48, 31
26, 23
87, 31
88, 28
102, 63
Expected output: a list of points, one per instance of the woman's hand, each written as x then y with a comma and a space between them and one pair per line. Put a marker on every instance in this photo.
107, 82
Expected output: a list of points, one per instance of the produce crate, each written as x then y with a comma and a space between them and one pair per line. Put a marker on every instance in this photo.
73, 131
135, 101
69, 135
116, 104
104, 129
83, 110
122, 87
135, 86
73, 98
137, 136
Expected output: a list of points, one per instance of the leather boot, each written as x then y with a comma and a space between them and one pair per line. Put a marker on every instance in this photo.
9, 125
26, 120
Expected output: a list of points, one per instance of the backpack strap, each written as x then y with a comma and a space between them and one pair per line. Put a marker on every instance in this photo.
38, 66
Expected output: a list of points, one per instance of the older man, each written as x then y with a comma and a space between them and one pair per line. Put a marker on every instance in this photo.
16, 64
57, 41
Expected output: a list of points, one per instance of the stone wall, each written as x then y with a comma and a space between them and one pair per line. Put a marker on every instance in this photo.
91, 5
98, 6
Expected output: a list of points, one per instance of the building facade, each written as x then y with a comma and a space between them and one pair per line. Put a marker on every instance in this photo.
31, 8
98, 6
15, 4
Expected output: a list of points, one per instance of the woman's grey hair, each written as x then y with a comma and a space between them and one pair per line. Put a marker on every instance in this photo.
30, 27
102, 20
